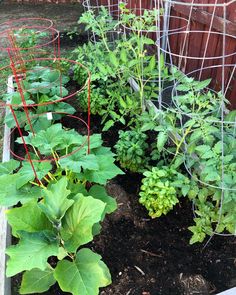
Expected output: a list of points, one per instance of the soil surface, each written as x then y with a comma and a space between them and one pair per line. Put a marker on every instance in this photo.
64, 16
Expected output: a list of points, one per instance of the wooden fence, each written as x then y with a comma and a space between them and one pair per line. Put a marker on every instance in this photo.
202, 49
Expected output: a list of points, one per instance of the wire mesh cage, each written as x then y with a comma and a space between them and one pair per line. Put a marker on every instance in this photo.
36, 78
191, 47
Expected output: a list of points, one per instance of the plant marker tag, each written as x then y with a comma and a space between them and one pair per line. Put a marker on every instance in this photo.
49, 116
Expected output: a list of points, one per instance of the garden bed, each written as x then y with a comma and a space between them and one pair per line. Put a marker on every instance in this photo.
149, 257
145, 256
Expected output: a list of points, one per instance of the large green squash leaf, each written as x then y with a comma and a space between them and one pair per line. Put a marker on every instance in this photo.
28, 192
84, 276
32, 251
37, 281
77, 161
99, 192
79, 220
9, 167
28, 218
8, 190
55, 202
26, 172
46, 140
107, 170
11, 193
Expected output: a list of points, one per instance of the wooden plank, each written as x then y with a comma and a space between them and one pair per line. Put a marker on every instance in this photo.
229, 292
205, 18
5, 235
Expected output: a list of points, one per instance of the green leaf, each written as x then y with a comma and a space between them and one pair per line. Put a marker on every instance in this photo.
77, 161
37, 281
95, 141
51, 75
113, 59
161, 140
11, 192
55, 202
9, 167
8, 190
107, 170
148, 41
152, 63
21, 117
201, 85
62, 253
48, 139
28, 193
99, 192
108, 125
212, 176
230, 117
32, 251
123, 55
185, 189
79, 220
28, 218
84, 276
26, 172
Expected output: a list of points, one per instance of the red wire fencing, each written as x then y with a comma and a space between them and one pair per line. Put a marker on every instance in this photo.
31, 47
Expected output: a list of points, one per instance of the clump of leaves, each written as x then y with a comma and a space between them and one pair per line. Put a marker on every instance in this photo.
145, 22
131, 150
58, 225
161, 189
41, 85
97, 166
112, 64
195, 99
59, 214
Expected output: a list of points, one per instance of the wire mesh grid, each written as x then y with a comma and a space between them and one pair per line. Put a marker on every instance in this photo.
197, 42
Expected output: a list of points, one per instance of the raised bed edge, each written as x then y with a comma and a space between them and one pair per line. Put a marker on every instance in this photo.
5, 234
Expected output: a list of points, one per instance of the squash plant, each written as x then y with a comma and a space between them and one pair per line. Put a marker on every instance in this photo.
41, 85
58, 214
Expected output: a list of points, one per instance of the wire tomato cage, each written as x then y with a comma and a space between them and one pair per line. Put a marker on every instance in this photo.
38, 80
196, 40
205, 49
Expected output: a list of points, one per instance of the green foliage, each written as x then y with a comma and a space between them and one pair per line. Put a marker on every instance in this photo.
13, 190
190, 133
29, 218
41, 85
57, 214
8, 167
86, 262
31, 252
195, 99
55, 202
144, 22
113, 62
57, 224
79, 221
37, 281
26, 38
131, 150
161, 188
96, 167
